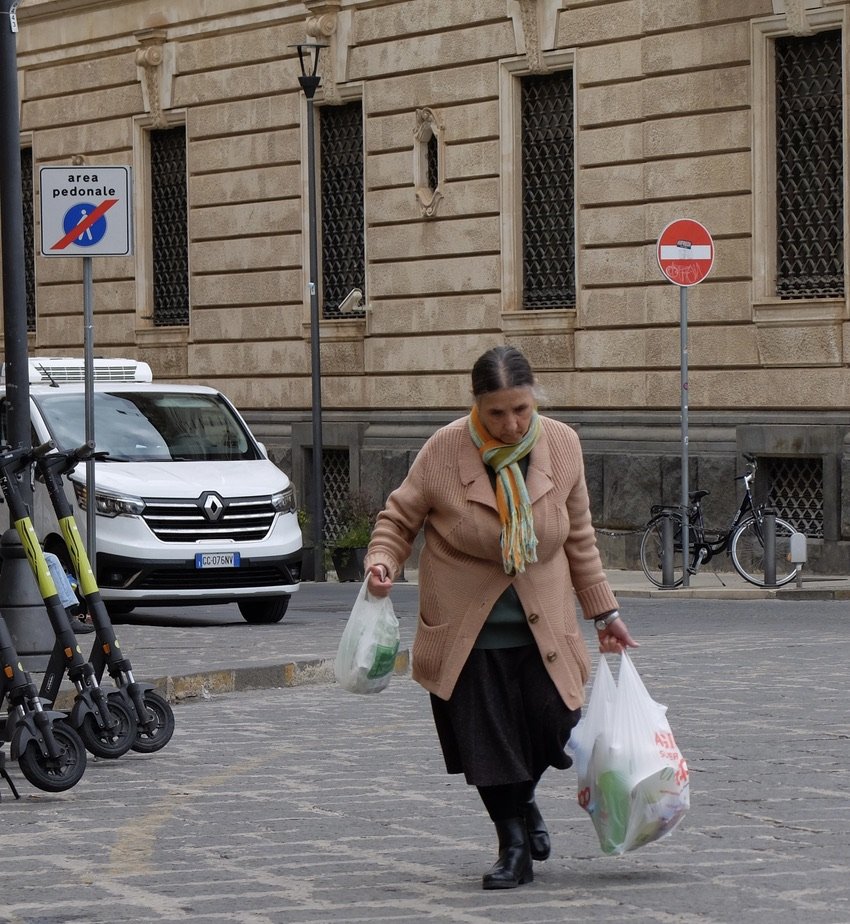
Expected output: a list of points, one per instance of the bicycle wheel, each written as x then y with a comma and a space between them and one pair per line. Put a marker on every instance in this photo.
652, 550
748, 552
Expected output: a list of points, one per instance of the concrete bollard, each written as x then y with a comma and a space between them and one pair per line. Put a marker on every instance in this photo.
21, 603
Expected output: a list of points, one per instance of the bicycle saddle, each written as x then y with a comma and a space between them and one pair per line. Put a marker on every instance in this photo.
698, 495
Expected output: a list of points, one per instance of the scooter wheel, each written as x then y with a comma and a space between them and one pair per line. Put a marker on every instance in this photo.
162, 715
62, 773
110, 742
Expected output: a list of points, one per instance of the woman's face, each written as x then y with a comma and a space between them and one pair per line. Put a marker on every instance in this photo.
507, 413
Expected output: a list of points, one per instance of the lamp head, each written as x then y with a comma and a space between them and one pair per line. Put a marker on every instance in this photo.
308, 58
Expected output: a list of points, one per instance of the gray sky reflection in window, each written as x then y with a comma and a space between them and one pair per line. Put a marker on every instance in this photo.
143, 427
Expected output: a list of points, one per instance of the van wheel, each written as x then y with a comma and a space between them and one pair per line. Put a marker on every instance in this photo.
264, 611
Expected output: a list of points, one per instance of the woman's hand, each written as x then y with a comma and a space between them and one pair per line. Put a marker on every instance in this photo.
379, 584
615, 639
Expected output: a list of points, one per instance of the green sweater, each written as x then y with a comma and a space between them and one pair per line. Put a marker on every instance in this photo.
506, 626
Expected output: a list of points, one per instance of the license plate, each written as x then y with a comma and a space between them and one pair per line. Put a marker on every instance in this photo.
217, 560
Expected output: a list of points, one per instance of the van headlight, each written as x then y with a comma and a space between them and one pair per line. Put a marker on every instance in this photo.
109, 505
284, 501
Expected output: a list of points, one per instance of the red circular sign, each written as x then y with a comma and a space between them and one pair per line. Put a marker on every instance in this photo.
685, 252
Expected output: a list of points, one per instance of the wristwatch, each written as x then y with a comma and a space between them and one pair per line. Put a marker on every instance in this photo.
604, 621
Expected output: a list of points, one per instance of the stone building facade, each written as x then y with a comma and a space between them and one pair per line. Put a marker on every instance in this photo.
490, 171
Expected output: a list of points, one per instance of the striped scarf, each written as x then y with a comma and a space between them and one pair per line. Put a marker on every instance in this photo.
518, 541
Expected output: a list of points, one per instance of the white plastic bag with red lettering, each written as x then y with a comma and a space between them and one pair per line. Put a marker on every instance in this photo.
632, 778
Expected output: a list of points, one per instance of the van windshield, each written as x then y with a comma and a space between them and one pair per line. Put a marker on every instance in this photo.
154, 426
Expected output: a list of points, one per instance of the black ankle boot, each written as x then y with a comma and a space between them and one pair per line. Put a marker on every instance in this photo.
513, 868
538, 834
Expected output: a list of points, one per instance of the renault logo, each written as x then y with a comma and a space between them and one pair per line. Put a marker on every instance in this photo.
213, 507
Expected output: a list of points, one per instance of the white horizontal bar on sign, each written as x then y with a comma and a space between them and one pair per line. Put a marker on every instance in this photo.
696, 252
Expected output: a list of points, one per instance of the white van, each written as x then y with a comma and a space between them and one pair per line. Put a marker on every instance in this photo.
189, 507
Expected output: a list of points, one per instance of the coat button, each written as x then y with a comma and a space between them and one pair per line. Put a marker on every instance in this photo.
552, 656
533, 617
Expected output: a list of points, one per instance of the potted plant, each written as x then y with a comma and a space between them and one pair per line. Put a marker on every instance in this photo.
308, 567
357, 518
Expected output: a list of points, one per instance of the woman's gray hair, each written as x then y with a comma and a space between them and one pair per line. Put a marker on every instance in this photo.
501, 367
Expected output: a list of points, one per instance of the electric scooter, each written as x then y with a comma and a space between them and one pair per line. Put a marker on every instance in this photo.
154, 716
106, 726
49, 752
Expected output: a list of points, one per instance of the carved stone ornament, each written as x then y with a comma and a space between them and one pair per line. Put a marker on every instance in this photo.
156, 72
427, 127
535, 29
797, 16
328, 26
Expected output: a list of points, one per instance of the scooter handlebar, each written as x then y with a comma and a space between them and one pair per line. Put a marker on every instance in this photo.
43, 449
81, 453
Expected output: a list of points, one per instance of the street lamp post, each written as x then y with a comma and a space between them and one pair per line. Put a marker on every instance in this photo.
310, 82
12, 225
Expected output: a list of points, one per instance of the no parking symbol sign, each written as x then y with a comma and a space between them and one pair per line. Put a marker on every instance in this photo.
85, 211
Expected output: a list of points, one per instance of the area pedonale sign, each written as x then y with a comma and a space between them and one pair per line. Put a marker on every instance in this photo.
85, 211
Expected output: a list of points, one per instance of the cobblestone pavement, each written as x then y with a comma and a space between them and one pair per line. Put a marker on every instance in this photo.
307, 804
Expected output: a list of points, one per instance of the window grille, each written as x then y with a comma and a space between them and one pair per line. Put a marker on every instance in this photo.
795, 491
809, 167
29, 234
336, 484
431, 155
548, 192
170, 227
343, 259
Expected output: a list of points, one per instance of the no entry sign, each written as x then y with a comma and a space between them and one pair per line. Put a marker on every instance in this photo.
85, 211
685, 252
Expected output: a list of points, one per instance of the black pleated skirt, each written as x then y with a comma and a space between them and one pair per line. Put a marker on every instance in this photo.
505, 721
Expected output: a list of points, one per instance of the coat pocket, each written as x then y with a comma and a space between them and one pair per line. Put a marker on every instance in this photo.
579, 650
429, 648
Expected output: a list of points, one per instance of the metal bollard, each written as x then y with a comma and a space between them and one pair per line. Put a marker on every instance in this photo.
798, 555
769, 538
667, 552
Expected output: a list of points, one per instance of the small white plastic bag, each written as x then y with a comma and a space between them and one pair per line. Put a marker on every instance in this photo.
632, 778
367, 650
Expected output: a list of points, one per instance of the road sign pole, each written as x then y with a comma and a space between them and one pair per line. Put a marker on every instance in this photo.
88, 365
683, 338
685, 253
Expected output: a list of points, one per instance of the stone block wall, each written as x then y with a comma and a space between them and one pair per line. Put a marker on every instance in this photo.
673, 119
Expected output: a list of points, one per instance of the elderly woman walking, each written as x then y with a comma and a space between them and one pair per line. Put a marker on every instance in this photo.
509, 546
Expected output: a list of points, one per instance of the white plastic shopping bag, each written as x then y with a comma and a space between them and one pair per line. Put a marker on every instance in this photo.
366, 656
632, 778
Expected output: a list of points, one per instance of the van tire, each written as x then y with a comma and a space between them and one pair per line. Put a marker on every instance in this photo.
264, 611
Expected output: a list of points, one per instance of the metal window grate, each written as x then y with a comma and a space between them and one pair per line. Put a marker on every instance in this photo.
809, 167
29, 234
432, 162
796, 491
170, 224
548, 191
336, 485
343, 251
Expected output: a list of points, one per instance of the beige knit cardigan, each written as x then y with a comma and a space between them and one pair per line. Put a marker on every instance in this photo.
448, 491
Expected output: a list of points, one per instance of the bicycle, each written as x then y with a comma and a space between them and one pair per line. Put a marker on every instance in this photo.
743, 539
